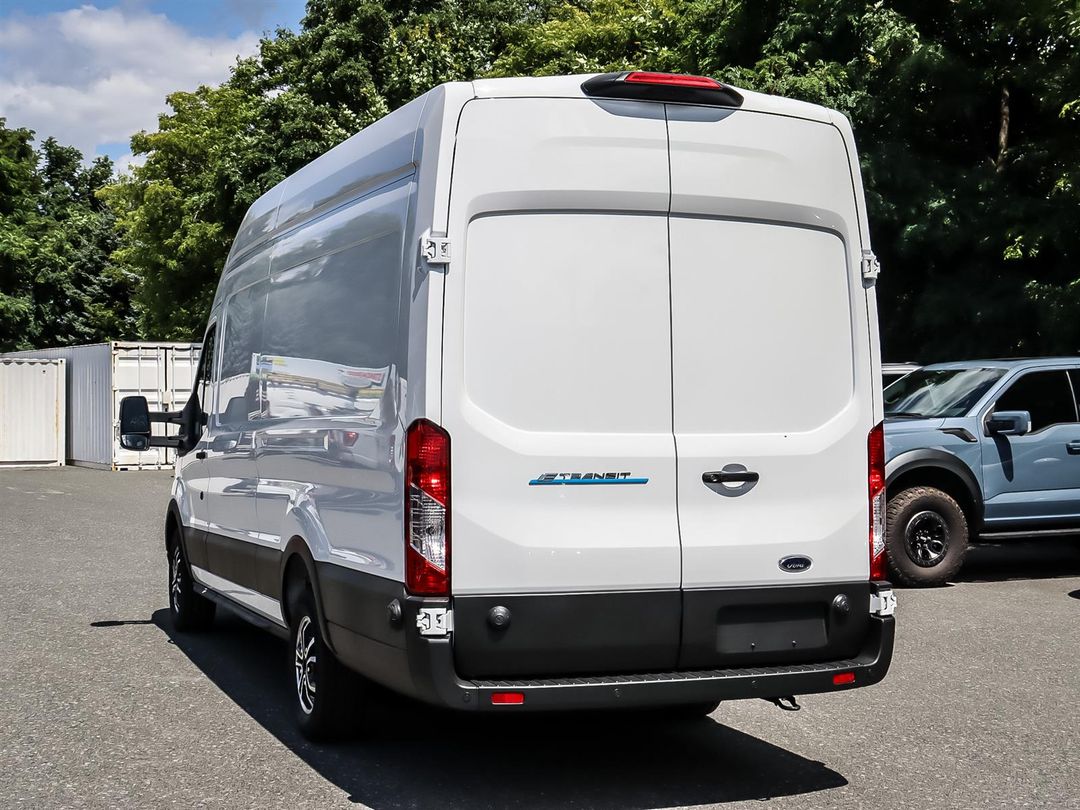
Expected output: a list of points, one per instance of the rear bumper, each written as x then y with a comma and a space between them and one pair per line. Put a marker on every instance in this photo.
430, 669
434, 679
432, 665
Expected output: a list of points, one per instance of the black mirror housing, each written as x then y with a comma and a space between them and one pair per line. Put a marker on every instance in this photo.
134, 423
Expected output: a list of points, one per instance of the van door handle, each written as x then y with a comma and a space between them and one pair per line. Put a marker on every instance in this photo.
1073, 447
201, 454
741, 477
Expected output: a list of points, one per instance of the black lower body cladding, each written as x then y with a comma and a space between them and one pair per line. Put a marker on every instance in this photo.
657, 631
610, 650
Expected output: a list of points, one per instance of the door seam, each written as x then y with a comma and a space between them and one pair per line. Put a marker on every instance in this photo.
671, 376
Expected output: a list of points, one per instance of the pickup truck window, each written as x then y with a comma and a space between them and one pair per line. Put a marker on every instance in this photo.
938, 393
1046, 394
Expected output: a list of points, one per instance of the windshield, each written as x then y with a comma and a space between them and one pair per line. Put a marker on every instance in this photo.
939, 392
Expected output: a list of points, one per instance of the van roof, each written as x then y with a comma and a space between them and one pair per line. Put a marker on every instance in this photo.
391, 141
570, 87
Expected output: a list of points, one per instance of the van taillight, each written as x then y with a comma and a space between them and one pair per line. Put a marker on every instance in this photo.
875, 446
427, 509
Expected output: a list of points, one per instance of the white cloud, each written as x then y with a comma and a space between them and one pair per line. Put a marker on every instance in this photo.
91, 76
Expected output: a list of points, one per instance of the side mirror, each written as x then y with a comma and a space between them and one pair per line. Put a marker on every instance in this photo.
134, 423
1009, 423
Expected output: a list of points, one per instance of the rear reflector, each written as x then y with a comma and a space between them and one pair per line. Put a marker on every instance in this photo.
643, 85
427, 509
875, 451
507, 698
843, 678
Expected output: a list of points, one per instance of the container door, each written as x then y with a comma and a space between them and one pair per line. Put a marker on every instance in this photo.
139, 369
557, 389
771, 352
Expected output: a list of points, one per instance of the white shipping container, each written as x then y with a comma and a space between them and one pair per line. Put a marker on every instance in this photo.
100, 375
32, 412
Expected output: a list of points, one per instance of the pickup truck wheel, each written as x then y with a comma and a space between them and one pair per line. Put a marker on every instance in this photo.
189, 610
926, 536
325, 692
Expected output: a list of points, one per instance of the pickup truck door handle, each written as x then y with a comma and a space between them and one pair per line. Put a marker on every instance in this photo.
741, 477
1073, 447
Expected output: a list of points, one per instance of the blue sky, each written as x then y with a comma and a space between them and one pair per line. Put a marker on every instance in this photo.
92, 73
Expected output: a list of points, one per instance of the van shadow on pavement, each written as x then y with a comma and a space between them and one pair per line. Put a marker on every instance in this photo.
415, 756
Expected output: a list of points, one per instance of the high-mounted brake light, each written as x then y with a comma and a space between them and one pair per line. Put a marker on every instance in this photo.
427, 509
672, 80
875, 451
644, 85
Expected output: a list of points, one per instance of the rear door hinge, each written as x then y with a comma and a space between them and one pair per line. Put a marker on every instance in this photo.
435, 250
871, 267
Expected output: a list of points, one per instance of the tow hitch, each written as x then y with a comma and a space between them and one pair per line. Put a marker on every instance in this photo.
788, 703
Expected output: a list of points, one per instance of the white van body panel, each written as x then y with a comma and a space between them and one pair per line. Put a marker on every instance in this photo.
640, 294
771, 347
558, 213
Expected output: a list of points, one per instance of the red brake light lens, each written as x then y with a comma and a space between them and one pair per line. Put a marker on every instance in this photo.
843, 678
875, 450
507, 698
672, 80
645, 85
427, 509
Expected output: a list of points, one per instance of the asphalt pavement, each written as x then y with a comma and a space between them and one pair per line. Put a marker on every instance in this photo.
103, 705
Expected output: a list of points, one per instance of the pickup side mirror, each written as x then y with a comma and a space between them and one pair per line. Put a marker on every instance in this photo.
134, 423
1009, 423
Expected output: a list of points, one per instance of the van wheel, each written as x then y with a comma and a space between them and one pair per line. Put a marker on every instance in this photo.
926, 536
326, 692
190, 610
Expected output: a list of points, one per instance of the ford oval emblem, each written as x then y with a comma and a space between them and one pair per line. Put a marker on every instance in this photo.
795, 564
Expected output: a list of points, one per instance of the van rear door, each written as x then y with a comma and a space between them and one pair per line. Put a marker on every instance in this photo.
771, 368
557, 389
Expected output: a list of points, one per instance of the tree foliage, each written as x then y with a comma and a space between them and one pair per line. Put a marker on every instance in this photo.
967, 116
58, 283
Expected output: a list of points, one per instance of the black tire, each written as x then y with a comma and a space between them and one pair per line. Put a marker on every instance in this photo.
190, 611
326, 695
926, 537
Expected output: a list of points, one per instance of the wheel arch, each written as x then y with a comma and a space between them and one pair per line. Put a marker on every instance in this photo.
943, 471
297, 561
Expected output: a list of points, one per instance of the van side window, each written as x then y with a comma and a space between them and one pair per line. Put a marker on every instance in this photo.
204, 376
1046, 394
332, 329
238, 399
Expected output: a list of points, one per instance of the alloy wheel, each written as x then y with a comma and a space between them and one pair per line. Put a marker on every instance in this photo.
305, 664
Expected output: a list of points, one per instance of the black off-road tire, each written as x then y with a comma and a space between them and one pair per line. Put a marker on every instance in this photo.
190, 611
326, 695
926, 537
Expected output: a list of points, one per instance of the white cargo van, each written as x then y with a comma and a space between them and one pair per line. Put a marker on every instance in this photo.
548, 393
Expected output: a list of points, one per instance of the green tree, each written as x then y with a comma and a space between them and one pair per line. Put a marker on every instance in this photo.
58, 285
966, 114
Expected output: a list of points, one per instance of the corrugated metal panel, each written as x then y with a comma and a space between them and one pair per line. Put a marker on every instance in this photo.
32, 412
100, 375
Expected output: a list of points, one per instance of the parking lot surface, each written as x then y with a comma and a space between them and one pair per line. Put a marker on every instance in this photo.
103, 705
